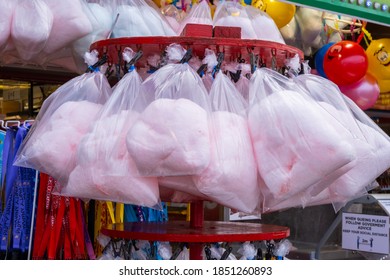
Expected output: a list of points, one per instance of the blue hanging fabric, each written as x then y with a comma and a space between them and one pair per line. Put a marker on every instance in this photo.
130, 215
23, 199
135, 213
19, 184
6, 217
2, 140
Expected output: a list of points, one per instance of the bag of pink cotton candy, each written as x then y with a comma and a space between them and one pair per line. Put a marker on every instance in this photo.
62, 121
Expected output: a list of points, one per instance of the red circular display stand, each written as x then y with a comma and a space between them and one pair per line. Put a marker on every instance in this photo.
196, 232
234, 49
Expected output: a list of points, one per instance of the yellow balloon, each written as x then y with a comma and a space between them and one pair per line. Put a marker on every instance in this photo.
281, 13
378, 55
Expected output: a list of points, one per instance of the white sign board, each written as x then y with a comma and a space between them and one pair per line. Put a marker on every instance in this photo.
369, 233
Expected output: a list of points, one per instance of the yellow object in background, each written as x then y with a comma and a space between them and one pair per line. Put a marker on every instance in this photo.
212, 9
282, 13
378, 55
157, 2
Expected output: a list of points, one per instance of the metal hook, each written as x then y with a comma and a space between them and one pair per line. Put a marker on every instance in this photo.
10, 122
26, 122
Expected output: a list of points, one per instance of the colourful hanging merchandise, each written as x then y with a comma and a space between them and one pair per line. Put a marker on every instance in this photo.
18, 190
61, 231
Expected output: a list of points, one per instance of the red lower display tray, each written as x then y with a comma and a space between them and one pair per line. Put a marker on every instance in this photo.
212, 231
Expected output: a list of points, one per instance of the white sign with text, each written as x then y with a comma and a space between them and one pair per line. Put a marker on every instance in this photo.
369, 233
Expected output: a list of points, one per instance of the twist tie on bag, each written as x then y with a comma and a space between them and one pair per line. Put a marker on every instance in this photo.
175, 53
218, 66
210, 59
293, 66
91, 58
131, 58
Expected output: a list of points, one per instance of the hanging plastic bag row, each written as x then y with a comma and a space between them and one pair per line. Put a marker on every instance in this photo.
299, 143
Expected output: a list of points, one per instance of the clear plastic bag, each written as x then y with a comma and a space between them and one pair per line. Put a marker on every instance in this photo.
104, 170
329, 97
199, 14
164, 250
31, 27
171, 136
101, 16
184, 254
210, 59
173, 15
70, 22
138, 18
7, 9
232, 13
295, 146
181, 189
264, 26
370, 142
231, 177
240, 74
247, 251
254, 23
217, 252
64, 118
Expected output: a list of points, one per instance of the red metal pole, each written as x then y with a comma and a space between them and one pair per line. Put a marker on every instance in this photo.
196, 251
196, 221
197, 214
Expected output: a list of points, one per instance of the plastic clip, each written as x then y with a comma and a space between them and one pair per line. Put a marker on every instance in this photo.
259, 255
95, 67
186, 57
273, 59
226, 254
133, 61
235, 76
176, 253
208, 253
201, 70
220, 58
254, 59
